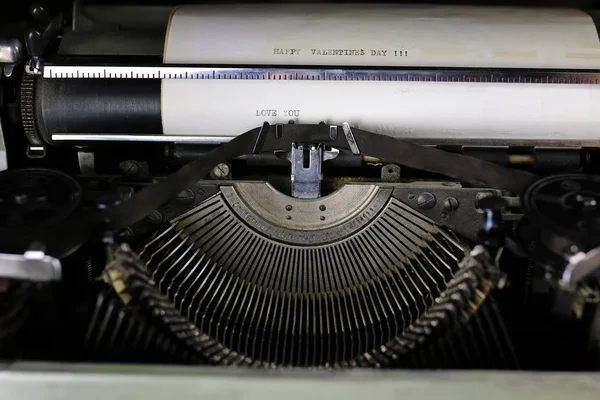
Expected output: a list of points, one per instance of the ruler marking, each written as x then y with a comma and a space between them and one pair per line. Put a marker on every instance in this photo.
321, 74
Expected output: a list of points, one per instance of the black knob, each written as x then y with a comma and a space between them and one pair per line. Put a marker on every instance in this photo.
34, 41
40, 14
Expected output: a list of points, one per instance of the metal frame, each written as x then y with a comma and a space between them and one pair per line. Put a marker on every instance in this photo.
111, 381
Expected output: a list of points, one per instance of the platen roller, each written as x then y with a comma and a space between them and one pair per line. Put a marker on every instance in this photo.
439, 75
213, 110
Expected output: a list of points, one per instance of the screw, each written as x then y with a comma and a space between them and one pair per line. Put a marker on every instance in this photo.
322, 208
426, 201
586, 201
451, 204
186, 197
155, 218
288, 207
322, 218
130, 168
288, 217
221, 171
21, 199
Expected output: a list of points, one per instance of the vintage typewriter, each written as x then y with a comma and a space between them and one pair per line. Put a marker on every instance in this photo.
300, 187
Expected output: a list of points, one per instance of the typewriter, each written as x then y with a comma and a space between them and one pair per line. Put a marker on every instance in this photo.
346, 193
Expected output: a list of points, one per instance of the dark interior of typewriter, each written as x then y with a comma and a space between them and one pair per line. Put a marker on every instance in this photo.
331, 250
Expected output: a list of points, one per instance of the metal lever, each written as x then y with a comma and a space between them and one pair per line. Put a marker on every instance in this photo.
11, 52
34, 41
492, 233
306, 171
33, 266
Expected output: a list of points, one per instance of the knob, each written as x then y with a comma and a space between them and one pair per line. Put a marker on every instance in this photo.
34, 41
40, 14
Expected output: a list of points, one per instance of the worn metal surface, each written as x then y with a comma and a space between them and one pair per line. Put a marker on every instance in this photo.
257, 200
11, 51
306, 171
34, 266
98, 382
87, 162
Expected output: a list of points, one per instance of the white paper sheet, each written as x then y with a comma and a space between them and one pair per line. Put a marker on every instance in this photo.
382, 35
453, 111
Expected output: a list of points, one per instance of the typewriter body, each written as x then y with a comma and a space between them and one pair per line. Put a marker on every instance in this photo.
300, 187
